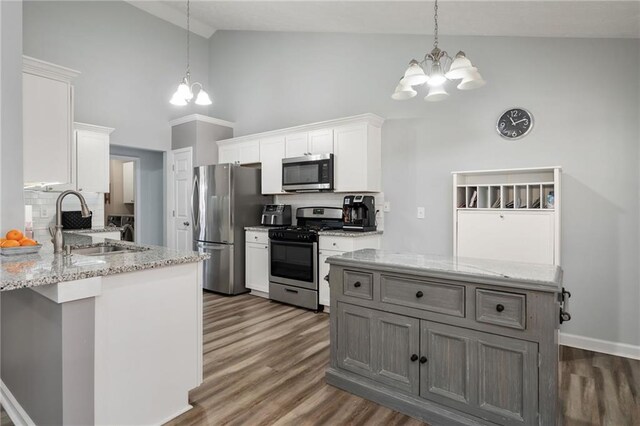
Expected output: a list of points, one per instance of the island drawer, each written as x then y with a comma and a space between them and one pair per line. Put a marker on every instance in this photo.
257, 237
427, 295
501, 308
358, 284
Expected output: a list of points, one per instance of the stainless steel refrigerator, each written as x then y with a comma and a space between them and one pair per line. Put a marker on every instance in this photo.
226, 198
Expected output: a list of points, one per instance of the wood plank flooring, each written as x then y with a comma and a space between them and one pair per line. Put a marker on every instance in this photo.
264, 365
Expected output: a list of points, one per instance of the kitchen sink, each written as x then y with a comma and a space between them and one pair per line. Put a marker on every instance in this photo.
105, 249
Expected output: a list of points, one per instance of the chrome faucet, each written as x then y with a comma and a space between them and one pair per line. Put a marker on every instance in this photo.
58, 237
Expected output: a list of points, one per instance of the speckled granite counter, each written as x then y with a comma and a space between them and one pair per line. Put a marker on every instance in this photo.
47, 268
93, 231
522, 275
332, 233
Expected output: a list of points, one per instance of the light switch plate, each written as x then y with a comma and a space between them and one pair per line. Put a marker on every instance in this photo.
44, 212
387, 206
420, 212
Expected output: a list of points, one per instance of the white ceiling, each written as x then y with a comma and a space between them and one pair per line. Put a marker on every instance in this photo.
564, 18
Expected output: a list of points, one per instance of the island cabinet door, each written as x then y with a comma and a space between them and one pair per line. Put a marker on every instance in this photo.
396, 340
355, 339
507, 372
446, 372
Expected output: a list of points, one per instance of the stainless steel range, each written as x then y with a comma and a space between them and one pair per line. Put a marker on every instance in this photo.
293, 256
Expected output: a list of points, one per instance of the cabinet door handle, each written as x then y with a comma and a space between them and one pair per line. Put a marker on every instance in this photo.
423, 359
357, 284
499, 307
288, 290
419, 294
414, 358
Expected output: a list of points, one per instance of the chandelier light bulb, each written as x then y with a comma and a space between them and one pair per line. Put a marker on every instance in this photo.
414, 75
203, 98
403, 91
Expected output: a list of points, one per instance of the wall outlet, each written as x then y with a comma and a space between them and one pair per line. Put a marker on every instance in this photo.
387, 206
420, 212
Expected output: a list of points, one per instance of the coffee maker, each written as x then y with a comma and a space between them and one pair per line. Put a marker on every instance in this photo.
359, 212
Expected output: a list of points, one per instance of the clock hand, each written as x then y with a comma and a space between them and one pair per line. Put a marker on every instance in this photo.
512, 121
518, 121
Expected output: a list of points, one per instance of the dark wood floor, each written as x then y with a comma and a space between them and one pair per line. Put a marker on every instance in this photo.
264, 364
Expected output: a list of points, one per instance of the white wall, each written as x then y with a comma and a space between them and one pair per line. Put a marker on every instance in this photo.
130, 61
586, 108
12, 208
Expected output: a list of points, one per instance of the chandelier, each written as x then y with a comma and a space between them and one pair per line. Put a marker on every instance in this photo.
436, 69
184, 94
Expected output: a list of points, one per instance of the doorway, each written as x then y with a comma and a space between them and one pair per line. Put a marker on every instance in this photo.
121, 204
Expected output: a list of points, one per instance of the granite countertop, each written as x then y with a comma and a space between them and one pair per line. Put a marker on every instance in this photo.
47, 268
93, 230
530, 276
331, 233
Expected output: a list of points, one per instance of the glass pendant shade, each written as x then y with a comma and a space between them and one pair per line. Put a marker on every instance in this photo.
403, 91
472, 80
177, 99
460, 67
414, 75
185, 91
203, 98
436, 76
436, 93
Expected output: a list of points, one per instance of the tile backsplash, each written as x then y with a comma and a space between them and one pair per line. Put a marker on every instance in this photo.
327, 199
43, 206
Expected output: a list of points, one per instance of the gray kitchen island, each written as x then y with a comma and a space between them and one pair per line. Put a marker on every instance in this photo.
447, 340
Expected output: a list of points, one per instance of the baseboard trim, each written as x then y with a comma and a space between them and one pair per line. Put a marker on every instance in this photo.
14, 410
612, 348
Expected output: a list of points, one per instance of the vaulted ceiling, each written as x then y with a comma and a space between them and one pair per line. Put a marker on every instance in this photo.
564, 18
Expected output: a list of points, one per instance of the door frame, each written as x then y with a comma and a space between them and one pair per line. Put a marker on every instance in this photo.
136, 205
171, 195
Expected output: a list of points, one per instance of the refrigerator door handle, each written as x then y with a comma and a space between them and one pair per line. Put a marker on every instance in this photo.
196, 221
211, 246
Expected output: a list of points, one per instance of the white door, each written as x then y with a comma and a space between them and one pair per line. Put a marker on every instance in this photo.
321, 141
257, 267
350, 147
518, 236
181, 185
296, 145
93, 161
249, 152
271, 155
229, 154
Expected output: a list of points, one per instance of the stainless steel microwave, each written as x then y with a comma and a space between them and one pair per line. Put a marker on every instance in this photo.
308, 173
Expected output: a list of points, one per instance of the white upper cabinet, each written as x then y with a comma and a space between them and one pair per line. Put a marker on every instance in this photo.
271, 155
321, 141
92, 158
354, 141
296, 144
240, 153
358, 160
47, 122
128, 183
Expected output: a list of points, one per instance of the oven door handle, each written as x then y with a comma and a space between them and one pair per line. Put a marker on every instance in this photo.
294, 243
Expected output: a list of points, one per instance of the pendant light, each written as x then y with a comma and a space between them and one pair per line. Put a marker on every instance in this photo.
435, 70
184, 93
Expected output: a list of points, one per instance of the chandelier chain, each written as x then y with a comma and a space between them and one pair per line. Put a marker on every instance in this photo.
188, 33
435, 18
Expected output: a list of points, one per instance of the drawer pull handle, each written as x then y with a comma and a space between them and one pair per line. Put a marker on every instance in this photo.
288, 290
499, 307
414, 357
423, 359
419, 294
357, 284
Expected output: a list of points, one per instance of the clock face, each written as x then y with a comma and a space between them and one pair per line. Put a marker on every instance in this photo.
514, 123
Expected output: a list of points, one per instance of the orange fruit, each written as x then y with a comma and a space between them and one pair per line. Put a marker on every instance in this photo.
14, 234
27, 242
10, 243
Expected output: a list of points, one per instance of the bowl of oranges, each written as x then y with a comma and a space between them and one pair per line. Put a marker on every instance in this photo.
15, 243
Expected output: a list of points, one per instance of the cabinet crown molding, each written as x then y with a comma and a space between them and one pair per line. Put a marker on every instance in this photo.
368, 118
47, 69
203, 118
93, 128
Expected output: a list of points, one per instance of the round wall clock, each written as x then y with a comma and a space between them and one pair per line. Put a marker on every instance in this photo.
514, 123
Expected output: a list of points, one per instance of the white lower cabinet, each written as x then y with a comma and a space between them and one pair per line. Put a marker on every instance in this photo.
257, 261
335, 246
